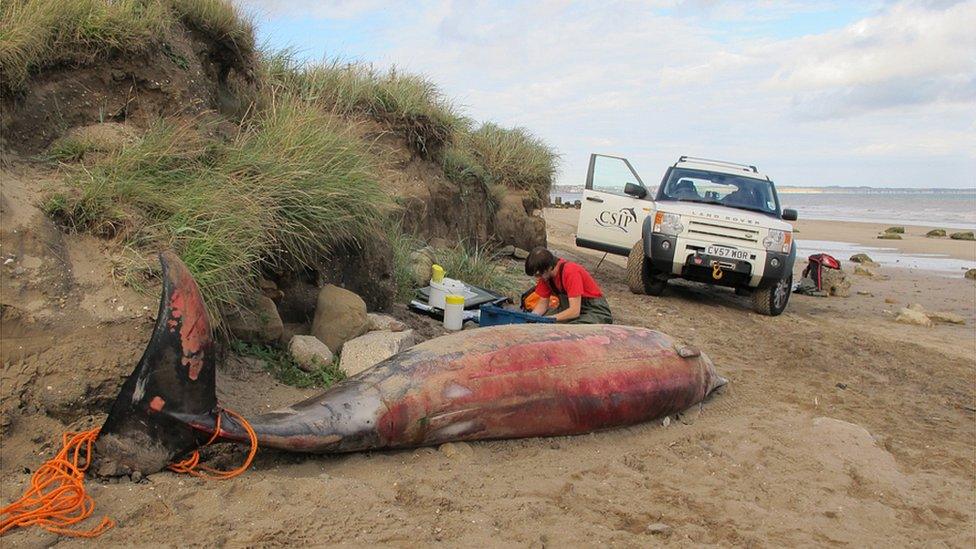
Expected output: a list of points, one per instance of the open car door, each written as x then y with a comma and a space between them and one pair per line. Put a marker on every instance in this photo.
615, 203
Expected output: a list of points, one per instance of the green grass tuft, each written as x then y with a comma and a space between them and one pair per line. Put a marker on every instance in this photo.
283, 367
513, 158
409, 104
37, 34
479, 266
295, 185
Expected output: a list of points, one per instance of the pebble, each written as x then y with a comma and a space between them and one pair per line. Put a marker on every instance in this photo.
659, 529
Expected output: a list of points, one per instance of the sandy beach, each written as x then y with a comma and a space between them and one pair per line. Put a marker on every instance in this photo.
839, 427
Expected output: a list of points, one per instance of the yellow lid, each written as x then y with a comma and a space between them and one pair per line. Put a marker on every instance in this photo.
436, 273
454, 299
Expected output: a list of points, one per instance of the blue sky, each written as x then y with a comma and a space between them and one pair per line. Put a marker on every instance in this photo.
814, 92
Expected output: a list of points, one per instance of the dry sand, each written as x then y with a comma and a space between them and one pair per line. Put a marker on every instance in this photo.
839, 427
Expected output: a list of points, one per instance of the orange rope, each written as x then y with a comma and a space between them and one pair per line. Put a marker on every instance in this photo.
57, 498
192, 464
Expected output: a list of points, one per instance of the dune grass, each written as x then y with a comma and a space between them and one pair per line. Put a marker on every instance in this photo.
513, 158
295, 185
37, 34
409, 104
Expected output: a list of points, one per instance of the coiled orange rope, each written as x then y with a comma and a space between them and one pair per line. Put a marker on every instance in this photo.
56, 499
191, 464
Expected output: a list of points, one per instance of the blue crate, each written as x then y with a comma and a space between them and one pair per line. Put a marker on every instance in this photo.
495, 316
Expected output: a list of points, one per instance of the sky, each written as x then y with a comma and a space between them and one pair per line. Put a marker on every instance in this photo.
813, 92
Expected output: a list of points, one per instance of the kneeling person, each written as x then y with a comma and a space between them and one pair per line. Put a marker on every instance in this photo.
580, 298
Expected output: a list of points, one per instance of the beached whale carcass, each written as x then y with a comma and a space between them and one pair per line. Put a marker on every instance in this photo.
500, 382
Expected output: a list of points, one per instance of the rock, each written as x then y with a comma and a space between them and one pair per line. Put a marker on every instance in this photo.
963, 235
340, 315
420, 268
368, 350
863, 271
258, 323
890, 300
970, 274
384, 322
309, 352
936, 233
270, 289
659, 529
889, 236
862, 258
912, 316
520, 253
456, 450
895, 230
917, 307
666, 421
469, 325
835, 283
290, 330
507, 251
863, 292
948, 318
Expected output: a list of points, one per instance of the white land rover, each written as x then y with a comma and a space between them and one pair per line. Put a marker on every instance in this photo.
709, 221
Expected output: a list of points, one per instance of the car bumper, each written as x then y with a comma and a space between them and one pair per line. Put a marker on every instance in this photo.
686, 258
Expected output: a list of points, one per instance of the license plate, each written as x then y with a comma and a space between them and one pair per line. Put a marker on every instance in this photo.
727, 252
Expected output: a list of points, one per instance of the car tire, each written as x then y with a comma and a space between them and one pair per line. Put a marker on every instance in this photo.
640, 278
772, 301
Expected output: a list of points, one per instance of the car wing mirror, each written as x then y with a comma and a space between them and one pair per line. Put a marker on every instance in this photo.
789, 214
635, 190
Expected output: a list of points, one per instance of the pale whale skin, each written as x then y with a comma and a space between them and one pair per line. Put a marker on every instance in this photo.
501, 382
510, 381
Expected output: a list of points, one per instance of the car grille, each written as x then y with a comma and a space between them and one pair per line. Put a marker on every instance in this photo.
712, 229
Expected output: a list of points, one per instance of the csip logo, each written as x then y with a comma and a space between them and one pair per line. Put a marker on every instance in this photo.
617, 220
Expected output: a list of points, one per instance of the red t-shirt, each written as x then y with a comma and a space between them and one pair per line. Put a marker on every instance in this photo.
572, 279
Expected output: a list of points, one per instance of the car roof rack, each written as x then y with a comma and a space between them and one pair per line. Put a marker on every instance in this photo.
716, 162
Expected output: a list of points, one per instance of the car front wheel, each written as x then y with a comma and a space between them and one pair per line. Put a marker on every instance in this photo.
640, 277
772, 301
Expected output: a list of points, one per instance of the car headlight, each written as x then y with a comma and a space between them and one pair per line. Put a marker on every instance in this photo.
668, 223
778, 241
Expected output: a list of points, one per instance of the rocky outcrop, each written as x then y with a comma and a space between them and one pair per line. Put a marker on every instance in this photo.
963, 235
515, 225
340, 315
936, 233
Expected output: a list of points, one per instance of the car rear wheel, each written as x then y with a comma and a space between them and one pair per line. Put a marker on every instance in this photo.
640, 277
772, 301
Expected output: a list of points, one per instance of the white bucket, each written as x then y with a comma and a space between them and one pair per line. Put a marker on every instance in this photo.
440, 290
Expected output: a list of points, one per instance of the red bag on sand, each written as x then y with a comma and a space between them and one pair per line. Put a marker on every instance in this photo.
815, 266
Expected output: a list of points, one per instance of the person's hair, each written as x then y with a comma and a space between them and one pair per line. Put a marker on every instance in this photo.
539, 260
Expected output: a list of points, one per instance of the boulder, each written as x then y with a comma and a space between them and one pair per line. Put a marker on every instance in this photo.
963, 235
936, 233
895, 230
971, 274
420, 268
258, 323
270, 289
889, 236
340, 315
835, 283
520, 254
368, 350
309, 352
913, 316
861, 258
385, 322
863, 270
507, 251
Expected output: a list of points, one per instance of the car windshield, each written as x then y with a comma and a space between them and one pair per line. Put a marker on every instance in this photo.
735, 191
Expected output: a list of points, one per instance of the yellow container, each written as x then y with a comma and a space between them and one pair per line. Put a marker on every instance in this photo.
437, 273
